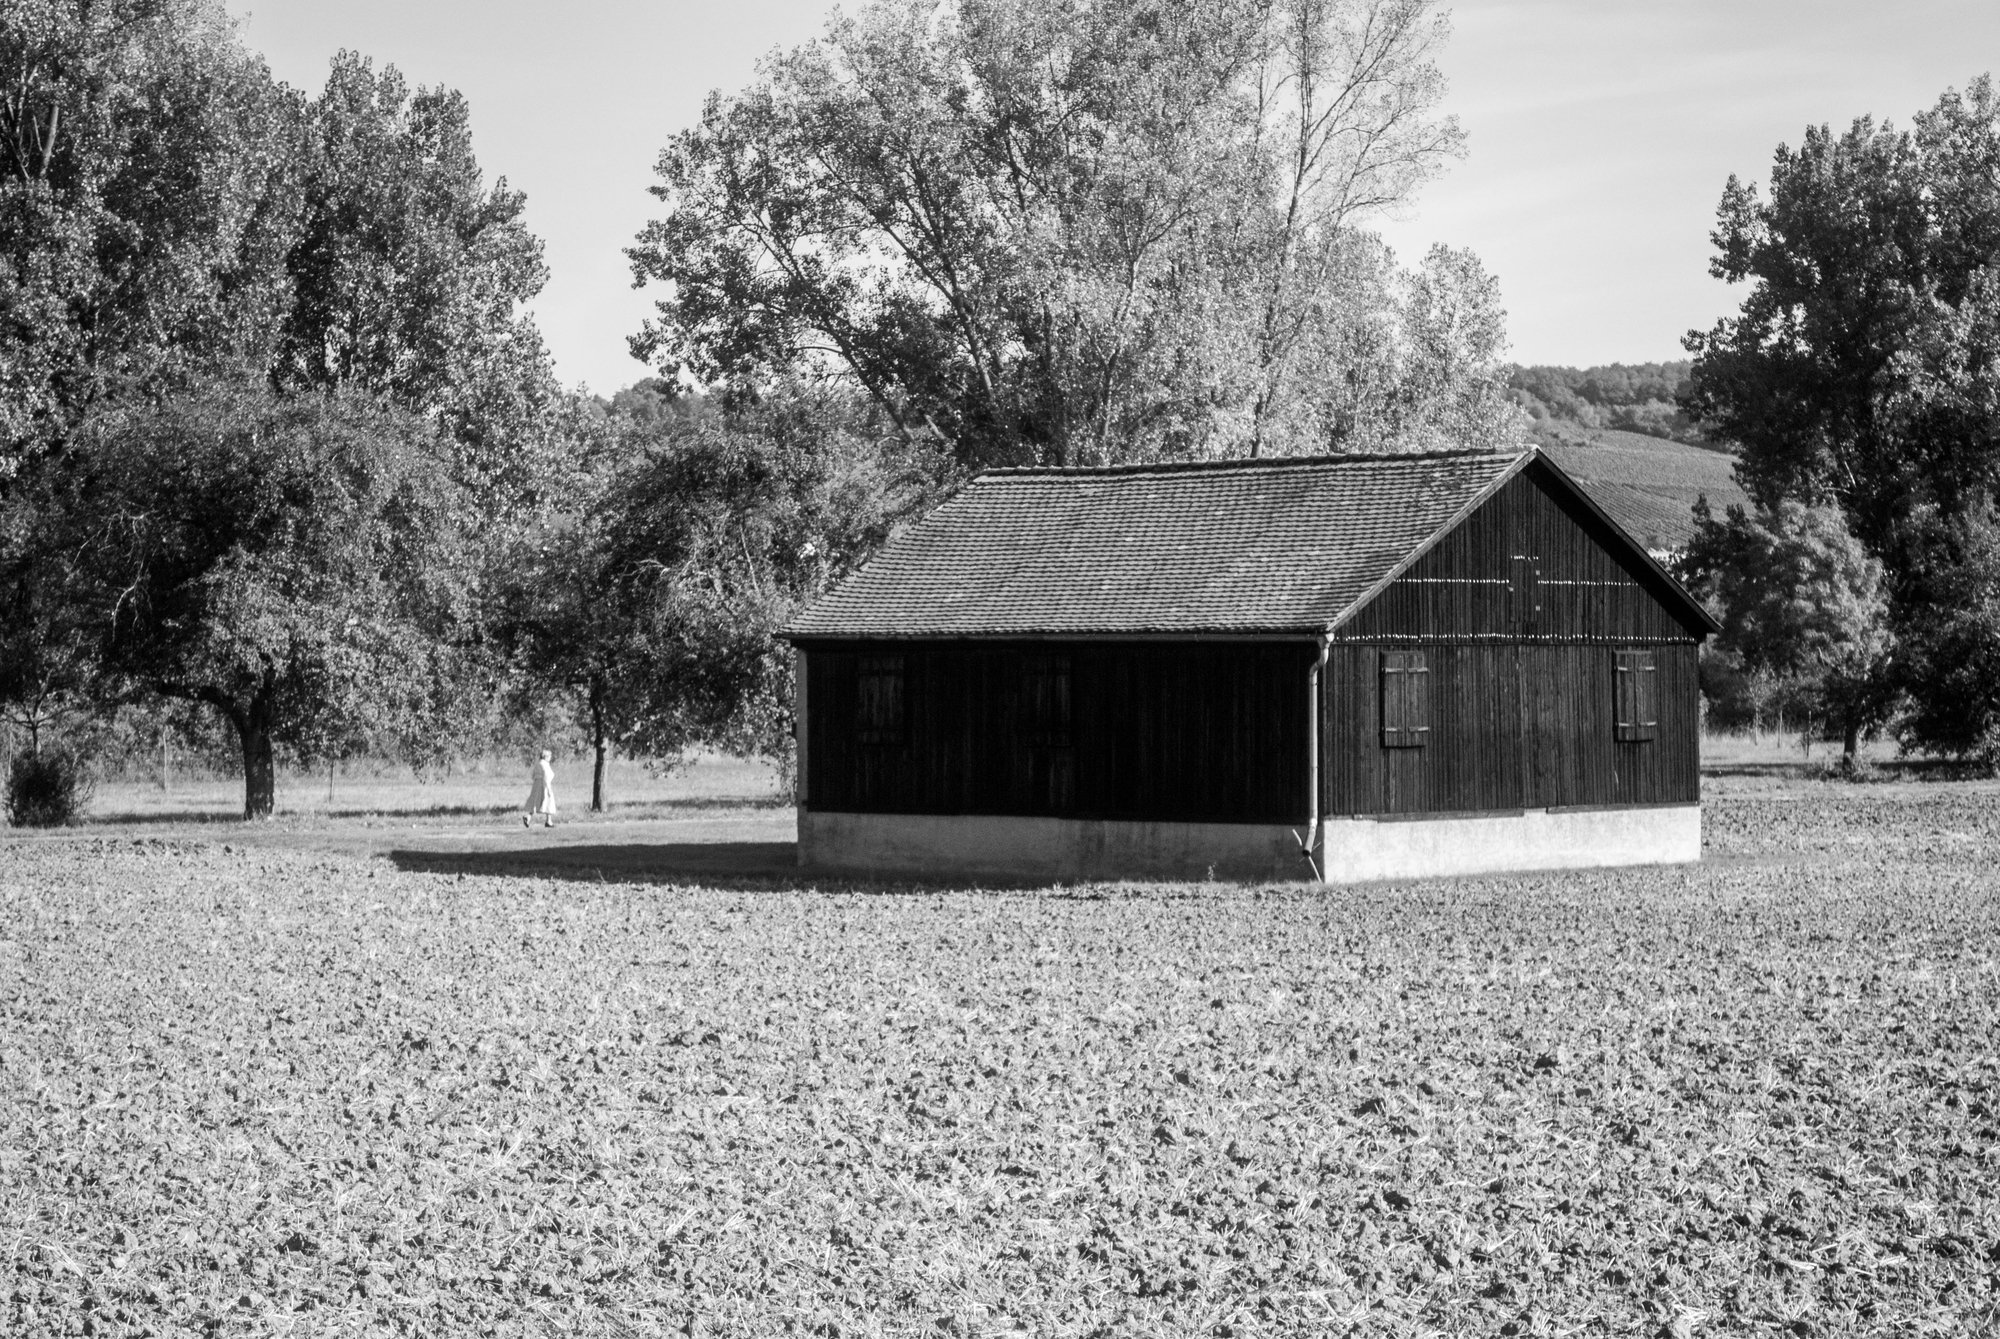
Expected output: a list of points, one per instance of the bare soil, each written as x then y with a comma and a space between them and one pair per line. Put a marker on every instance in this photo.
337, 1076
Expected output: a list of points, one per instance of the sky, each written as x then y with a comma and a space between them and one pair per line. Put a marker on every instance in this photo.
1600, 133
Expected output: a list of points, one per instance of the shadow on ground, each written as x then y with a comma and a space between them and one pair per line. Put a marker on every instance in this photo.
635, 809
163, 819
714, 864
707, 861
1826, 765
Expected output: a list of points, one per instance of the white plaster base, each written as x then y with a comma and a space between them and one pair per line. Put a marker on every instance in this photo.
1023, 849
1352, 850
1356, 850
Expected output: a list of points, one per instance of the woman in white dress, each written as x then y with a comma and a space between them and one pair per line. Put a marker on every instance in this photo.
541, 792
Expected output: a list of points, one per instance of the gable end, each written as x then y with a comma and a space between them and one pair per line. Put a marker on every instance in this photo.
1534, 560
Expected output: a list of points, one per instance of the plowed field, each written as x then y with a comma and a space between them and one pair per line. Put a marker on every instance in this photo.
274, 1091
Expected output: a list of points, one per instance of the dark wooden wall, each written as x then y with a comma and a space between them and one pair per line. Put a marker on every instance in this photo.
1531, 565
1213, 732
1513, 726
1520, 613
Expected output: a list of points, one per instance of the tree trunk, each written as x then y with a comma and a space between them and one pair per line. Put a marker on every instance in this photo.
597, 739
260, 771
1850, 743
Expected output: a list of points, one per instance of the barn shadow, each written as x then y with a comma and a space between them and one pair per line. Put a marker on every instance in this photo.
709, 862
758, 866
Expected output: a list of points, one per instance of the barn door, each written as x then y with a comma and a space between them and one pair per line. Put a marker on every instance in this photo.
1542, 686
1539, 686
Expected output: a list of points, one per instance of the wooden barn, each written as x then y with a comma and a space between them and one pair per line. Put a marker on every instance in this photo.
1345, 668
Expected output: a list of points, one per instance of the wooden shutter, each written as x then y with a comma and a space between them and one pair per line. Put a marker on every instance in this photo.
1638, 714
878, 708
1406, 700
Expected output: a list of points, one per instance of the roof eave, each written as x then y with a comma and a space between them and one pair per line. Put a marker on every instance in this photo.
1312, 634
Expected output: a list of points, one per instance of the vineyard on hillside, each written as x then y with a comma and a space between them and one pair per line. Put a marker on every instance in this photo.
1648, 484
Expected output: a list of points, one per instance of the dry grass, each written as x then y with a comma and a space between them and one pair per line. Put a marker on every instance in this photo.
1771, 752
285, 1091
494, 788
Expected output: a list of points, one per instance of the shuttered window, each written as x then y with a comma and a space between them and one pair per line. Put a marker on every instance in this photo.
878, 714
1045, 701
1638, 714
1406, 700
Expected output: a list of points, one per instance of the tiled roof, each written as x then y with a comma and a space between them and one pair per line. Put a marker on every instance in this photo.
1276, 546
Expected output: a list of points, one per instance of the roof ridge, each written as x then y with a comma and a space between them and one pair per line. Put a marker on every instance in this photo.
1257, 465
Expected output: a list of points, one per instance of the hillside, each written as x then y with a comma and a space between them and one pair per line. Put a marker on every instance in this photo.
1648, 484
1625, 397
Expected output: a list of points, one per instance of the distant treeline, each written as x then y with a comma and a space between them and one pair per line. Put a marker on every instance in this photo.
1634, 397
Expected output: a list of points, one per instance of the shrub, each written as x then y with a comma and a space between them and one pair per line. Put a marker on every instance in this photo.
46, 790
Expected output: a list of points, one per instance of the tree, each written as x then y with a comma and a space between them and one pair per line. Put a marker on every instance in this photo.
1948, 634
46, 668
176, 229
408, 277
1049, 230
654, 599
1802, 604
562, 616
1872, 254
1346, 96
1860, 369
1422, 370
1637, 397
146, 199
724, 528
298, 563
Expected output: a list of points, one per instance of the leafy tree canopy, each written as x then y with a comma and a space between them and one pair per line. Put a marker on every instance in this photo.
299, 563
1863, 371
1055, 231
169, 211
1801, 603
408, 276
1859, 367
147, 195
181, 236
1628, 397
1949, 639
653, 598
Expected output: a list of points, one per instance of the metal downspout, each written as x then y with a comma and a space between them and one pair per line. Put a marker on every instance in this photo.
1309, 844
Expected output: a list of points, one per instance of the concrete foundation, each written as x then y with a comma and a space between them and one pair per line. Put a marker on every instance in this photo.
1352, 850
982, 846
1357, 850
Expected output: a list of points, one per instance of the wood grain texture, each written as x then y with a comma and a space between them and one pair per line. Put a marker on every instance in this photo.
1516, 620
1528, 564
1206, 733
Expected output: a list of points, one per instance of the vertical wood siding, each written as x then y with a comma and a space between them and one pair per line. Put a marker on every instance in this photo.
1520, 613
1526, 564
1523, 611
1191, 733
